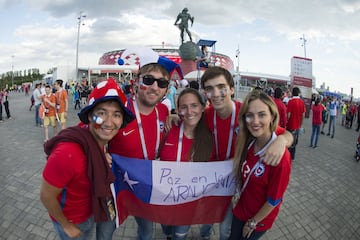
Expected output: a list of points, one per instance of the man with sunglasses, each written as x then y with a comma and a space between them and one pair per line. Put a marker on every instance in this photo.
222, 120
141, 138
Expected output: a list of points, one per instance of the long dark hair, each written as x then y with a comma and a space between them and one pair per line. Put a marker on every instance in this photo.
203, 141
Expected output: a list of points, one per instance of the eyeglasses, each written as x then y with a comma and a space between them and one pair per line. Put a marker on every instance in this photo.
149, 80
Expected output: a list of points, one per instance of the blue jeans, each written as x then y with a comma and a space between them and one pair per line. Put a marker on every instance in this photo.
176, 232
236, 231
37, 118
224, 227
105, 230
332, 123
85, 228
145, 229
315, 134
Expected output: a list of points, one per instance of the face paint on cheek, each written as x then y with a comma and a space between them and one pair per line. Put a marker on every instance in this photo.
248, 119
209, 95
143, 86
97, 121
182, 113
223, 93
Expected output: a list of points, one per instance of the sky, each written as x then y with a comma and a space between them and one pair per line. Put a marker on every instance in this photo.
43, 33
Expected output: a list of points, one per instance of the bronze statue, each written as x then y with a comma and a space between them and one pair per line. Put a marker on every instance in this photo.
184, 16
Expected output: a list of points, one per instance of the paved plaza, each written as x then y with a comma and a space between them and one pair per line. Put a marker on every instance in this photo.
322, 200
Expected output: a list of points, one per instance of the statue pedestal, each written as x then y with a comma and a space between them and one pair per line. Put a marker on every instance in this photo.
188, 51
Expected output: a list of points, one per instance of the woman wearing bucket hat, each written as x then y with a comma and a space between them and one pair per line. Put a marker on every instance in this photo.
77, 176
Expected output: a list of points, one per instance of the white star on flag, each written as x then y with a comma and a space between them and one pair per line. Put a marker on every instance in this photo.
130, 182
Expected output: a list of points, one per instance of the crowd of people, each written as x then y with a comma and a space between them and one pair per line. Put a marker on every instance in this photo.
259, 134
207, 126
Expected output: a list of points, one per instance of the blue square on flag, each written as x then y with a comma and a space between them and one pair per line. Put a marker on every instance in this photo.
137, 177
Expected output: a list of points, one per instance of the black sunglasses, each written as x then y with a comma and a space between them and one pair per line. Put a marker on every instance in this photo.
149, 80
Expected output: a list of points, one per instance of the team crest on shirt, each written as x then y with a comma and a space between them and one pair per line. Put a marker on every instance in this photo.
236, 131
259, 171
162, 126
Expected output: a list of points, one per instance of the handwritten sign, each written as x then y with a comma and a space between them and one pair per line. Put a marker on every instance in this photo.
179, 182
152, 189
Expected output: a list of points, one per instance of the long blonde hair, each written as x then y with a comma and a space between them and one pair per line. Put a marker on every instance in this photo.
244, 136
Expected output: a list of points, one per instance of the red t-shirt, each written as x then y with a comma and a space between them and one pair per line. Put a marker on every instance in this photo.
170, 147
282, 112
296, 108
317, 114
127, 142
223, 130
66, 168
266, 182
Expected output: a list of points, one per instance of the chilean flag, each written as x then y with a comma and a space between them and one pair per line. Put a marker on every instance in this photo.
173, 193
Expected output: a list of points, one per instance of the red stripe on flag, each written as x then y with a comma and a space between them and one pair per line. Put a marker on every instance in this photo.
206, 210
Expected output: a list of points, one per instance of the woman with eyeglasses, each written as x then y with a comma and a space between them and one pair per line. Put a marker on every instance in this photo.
261, 186
191, 140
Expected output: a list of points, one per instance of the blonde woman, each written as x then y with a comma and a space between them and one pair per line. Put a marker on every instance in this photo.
261, 186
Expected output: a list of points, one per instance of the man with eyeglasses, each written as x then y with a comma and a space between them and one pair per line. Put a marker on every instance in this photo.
222, 120
141, 138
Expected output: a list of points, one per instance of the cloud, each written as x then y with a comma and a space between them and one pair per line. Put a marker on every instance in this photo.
44, 32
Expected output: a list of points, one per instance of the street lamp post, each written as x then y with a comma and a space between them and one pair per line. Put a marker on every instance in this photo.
303, 39
238, 59
81, 16
12, 71
237, 77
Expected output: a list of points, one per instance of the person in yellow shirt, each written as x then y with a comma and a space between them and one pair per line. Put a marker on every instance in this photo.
343, 113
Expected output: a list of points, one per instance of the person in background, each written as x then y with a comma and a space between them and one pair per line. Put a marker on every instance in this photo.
195, 85
317, 110
171, 95
62, 103
324, 115
344, 108
204, 58
77, 97
49, 102
37, 101
141, 138
1, 109
75, 187
278, 94
353, 110
6, 102
358, 117
190, 141
32, 102
295, 115
287, 96
333, 106
261, 186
